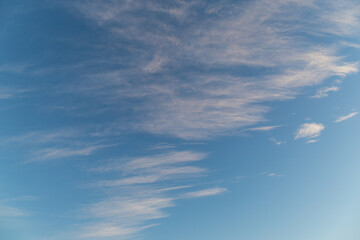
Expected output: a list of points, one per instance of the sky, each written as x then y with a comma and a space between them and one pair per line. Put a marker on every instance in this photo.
183, 119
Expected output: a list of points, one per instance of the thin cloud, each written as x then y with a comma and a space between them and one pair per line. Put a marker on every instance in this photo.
47, 154
277, 142
204, 193
155, 65
274, 175
9, 211
346, 117
141, 191
264, 128
11, 93
50, 145
199, 105
324, 92
309, 130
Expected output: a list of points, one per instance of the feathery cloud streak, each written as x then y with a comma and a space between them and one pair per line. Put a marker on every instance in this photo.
259, 37
346, 117
145, 187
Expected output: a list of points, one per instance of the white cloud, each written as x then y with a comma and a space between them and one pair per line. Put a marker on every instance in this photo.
271, 174
50, 145
277, 142
263, 128
163, 174
199, 105
106, 230
161, 146
324, 92
149, 162
343, 118
350, 44
309, 130
141, 189
57, 153
205, 193
312, 141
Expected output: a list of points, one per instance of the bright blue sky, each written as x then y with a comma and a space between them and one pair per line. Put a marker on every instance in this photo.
178, 120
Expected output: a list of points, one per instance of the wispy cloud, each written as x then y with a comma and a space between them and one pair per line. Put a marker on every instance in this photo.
8, 211
155, 65
274, 175
199, 105
149, 185
277, 142
263, 128
47, 154
204, 193
309, 130
161, 146
10, 93
346, 117
51, 145
324, 92
312, 141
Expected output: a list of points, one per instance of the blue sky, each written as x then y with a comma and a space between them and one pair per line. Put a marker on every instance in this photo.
179, 120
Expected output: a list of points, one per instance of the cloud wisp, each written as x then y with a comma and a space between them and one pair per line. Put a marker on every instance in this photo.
346, 117
41, 146
143, 187
9, 211
263, 128
324, 92
204, 193
209, 97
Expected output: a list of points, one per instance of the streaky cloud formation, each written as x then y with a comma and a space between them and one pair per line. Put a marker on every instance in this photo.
146, 186
263, 128
130, 88
199, 105
10, 211
346, 117
324, 92
204, 193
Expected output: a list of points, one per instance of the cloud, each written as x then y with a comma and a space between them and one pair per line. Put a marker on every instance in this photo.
343, 118
140, 190
56, 153
10, 93
264, 128
8, 211
271, 174
209, 98
309, 130
312, 141
149, 162
41, 146
205, 193
155, 65
161, 146
350, 44
323, 92
277, 142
